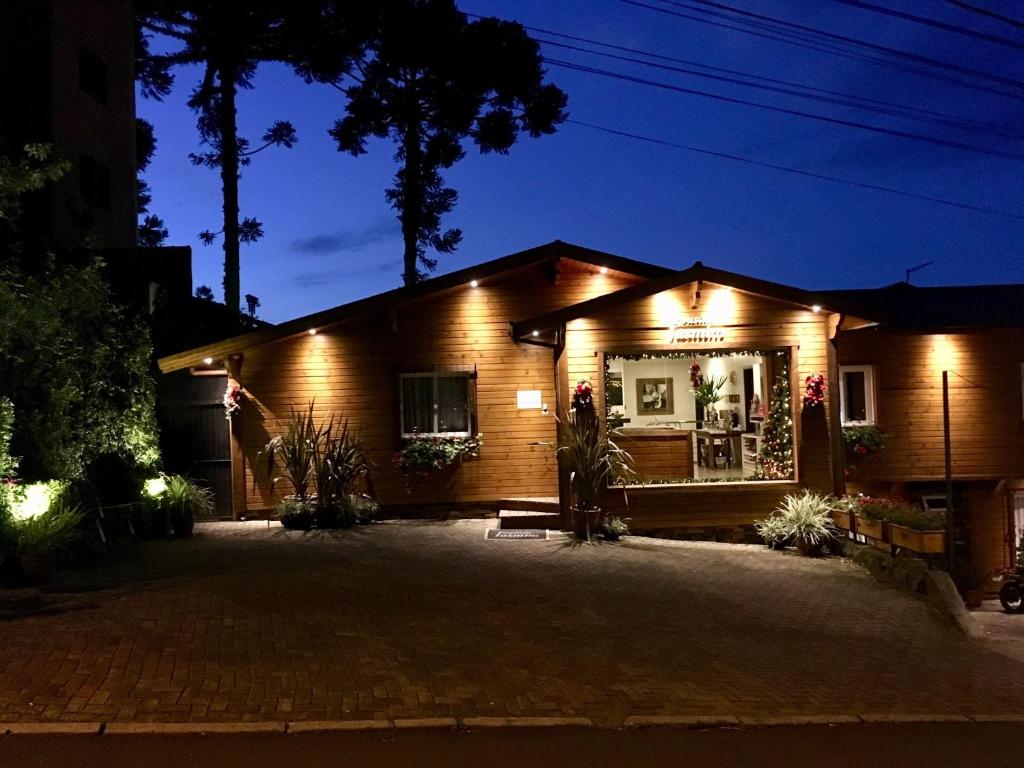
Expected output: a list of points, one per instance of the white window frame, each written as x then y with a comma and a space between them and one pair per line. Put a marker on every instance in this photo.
435, 376
869, 395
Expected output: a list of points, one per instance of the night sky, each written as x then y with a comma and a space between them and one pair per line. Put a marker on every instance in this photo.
331, 237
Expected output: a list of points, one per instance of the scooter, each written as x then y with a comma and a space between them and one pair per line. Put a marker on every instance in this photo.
1011, 594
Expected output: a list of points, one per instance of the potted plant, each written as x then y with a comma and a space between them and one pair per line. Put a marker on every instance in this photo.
614, 528
38, 539
970, 582
774, 531
591, 461
185, 502
913, 528
806, 519
869, 514
708, 391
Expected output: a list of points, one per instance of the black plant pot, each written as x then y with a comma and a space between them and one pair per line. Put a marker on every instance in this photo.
183, 524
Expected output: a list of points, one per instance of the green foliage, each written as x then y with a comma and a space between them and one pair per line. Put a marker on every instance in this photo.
709, 391
775, 461
614, 528
8, 463
773, 530
802, 517
186, 497
1020, 553
364, 508
76, 367
296, 514
20, 176
898, 511
49, 532
327, 458
863, 441
590, 458
423, 454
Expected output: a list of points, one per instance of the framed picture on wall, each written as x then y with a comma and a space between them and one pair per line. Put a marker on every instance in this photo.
654, 397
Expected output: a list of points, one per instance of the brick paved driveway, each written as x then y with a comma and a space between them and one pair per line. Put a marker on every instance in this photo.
428, 619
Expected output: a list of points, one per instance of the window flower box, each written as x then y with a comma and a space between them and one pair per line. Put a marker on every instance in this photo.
873, 529
841, 518
923, 542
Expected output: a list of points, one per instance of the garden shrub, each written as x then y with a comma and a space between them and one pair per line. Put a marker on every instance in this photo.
614, 528
296, 514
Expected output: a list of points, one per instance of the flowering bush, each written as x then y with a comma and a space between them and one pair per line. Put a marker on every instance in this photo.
583, 396
863, 441
814, 393
894, 510
232, 395
424, 453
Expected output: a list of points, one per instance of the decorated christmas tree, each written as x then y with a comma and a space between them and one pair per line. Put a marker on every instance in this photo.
776, 459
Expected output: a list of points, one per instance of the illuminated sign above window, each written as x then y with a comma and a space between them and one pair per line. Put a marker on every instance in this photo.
694, 329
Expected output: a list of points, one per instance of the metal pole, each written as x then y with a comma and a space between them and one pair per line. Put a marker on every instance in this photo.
949, 470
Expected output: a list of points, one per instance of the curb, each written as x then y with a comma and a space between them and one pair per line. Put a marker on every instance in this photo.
163, 729
635, 722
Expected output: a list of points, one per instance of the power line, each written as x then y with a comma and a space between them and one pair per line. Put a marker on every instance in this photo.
841, 99
854, 41
936, 24
793, 112
1000, 130
798, 41
981, 11
797, 171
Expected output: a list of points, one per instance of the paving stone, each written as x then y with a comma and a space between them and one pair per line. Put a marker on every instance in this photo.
249, 624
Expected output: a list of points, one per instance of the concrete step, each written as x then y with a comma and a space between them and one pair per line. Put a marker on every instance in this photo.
519, 519
529, 504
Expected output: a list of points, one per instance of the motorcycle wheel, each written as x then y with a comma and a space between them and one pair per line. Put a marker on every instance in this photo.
1012, 597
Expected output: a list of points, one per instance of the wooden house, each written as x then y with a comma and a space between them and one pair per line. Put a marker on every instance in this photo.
498, 349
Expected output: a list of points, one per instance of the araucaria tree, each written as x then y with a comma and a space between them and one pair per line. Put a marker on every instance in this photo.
430, 79
228, 40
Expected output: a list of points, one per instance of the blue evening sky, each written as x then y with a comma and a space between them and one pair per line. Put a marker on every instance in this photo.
331, 237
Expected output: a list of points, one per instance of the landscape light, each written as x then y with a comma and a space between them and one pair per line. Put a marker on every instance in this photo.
34, 499
155, 486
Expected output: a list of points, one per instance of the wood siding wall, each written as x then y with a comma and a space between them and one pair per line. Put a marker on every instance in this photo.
986, 412
352, 369
751, 323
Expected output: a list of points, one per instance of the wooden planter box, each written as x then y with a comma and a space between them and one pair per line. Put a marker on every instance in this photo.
841, 519
925, 542
873, 529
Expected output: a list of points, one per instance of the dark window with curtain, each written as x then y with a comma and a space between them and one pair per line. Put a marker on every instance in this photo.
855, 388
436, 403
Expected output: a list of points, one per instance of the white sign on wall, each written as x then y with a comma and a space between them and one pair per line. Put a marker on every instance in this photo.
528, 398
694, 329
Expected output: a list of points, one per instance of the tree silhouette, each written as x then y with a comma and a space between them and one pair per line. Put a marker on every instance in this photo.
428, 80
151, 231
229, 41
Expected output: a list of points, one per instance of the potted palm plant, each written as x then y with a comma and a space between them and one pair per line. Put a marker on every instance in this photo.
708, 392
185, 502
592, 461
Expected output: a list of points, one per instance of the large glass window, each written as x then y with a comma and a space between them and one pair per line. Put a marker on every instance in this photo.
856, 394
702, 416
436, 403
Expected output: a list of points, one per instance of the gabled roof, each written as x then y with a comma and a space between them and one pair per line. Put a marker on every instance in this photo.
907, 307
542, 253
539, 329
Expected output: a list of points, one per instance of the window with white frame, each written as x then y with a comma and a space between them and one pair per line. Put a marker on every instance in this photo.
857, 394
436, 404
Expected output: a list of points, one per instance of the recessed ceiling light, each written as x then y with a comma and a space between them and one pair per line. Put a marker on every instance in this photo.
473, 283
536, 333
207, 361
816, 308
604, 270
312, 331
